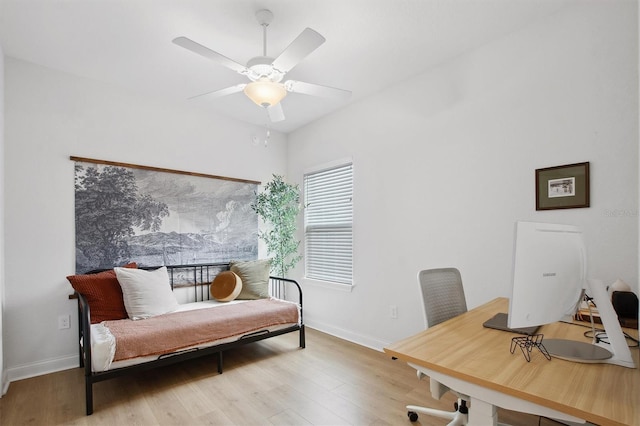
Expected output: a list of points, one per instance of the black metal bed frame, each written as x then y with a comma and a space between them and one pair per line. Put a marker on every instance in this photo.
202, 276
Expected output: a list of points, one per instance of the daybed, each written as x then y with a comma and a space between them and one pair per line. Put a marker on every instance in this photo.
132, 338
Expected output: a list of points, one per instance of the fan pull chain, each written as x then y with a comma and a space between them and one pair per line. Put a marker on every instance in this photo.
256, 139
266, 139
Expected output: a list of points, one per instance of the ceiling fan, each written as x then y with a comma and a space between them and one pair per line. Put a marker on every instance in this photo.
266, 88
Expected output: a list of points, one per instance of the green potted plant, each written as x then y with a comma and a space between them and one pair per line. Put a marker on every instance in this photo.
278, 205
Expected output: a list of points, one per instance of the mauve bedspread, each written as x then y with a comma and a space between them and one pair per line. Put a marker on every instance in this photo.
168, 333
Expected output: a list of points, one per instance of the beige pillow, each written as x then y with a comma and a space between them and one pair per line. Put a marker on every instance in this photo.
226, 286
255, 278
146, 293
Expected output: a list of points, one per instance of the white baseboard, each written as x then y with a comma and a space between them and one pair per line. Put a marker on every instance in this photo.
366, 341
53, 365
4, 382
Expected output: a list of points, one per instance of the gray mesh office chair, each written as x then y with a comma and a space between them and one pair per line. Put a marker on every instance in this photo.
443, 298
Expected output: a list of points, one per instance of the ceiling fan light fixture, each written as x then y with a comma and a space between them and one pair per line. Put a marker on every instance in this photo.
265, 93
266, 73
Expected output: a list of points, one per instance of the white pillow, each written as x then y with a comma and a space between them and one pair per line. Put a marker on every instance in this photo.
146, 293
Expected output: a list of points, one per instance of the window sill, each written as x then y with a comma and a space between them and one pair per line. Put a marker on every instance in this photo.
330, 285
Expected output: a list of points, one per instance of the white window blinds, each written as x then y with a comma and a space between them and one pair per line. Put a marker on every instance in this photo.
328, 224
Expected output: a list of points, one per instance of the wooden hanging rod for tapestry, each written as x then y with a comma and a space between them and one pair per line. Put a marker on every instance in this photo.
158, 169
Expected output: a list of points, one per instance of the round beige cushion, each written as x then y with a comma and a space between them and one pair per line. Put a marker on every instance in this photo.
226, 286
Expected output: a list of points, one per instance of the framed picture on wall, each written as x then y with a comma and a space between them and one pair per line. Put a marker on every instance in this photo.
562, 187
158, 217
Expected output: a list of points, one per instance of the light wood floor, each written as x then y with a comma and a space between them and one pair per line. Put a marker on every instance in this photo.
331, 382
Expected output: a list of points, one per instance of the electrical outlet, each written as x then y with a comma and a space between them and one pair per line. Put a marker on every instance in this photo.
64, 321
393, 311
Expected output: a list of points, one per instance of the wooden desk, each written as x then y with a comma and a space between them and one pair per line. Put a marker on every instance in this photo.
465, 356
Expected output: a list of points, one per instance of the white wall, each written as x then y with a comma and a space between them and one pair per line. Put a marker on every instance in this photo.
4, 383
51, 115
444, 165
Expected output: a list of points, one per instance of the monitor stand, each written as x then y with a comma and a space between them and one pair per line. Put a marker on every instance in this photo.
572, 350
617, 352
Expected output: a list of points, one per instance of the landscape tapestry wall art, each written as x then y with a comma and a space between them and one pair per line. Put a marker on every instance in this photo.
157, 217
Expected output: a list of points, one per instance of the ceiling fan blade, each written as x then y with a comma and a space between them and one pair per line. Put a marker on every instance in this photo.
316, 90
276, 113
222, 92
210, 54
308, 41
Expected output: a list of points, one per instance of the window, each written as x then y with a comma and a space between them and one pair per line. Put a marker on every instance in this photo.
328, 221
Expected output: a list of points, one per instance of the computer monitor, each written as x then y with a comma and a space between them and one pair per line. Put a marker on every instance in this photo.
549, 268
549, 280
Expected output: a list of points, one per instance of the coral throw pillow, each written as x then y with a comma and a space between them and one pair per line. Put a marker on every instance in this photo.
103, 293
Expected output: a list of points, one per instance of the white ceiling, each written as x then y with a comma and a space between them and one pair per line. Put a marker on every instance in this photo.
370, 43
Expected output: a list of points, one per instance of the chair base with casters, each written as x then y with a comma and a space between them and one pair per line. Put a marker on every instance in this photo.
459, 417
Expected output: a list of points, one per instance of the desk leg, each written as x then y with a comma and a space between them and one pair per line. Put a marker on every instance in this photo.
482, 413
